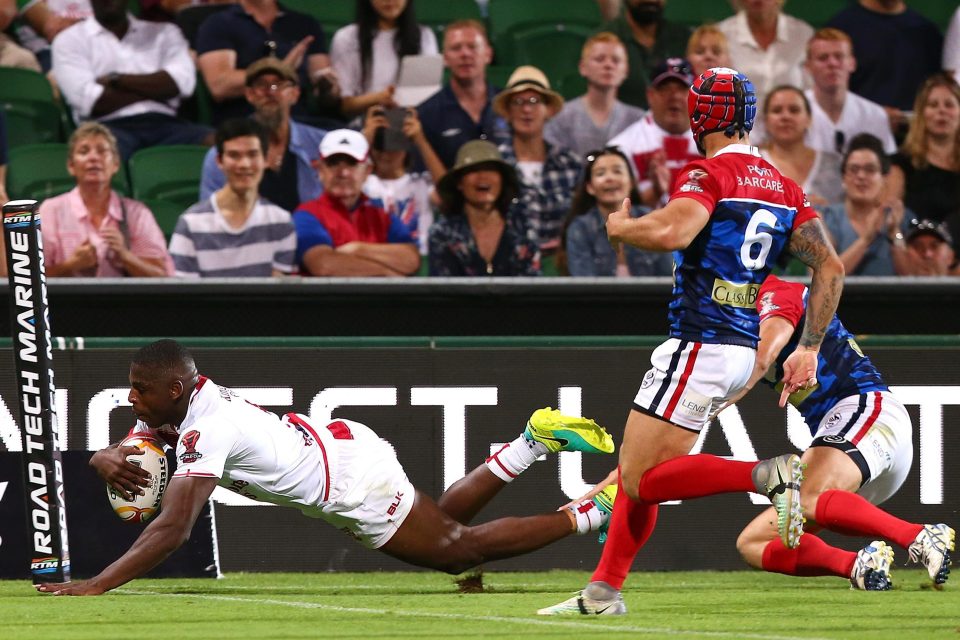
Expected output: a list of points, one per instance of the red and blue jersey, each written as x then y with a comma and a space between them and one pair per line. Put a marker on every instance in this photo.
842, 369
717, 277
326, 221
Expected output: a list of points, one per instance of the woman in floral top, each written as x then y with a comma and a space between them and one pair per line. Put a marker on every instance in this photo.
607, 180
473, 237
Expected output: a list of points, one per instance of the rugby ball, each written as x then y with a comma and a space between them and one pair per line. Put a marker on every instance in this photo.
142, 508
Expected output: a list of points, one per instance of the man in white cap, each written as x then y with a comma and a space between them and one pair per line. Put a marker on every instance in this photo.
341, 233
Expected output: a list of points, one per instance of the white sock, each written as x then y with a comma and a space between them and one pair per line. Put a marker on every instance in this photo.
514, 457
588, 515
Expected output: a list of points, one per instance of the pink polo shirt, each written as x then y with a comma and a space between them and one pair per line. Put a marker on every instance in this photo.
65, 224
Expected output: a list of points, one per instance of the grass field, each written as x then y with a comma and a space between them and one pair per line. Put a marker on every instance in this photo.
677, 605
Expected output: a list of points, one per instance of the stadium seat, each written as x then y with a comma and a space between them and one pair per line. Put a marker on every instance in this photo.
199, 106
31, 122
447, 11
332, 14
166, 213
572, 85
190, 17
437, 14
697, 12
507, 15
170, 173
551, 48
33, 114
39, 171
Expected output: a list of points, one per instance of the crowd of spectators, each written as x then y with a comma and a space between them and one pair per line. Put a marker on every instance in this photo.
314, 168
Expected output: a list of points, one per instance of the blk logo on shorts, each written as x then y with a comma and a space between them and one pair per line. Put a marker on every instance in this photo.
396, 503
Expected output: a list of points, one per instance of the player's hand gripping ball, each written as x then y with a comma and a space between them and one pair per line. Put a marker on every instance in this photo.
142, 507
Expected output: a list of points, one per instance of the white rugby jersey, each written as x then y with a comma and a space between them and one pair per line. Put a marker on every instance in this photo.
253, 452
645, 138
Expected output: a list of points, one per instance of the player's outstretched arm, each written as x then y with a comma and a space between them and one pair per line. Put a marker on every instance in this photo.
668, 229
182, 502
810, 244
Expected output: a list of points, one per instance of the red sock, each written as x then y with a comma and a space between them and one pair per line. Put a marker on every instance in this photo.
853, 515
695, 476
630, 526
812, 557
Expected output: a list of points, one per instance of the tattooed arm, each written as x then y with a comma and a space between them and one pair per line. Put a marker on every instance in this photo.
810, 244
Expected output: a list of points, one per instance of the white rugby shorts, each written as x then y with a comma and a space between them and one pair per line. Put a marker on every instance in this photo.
370, 495
875, 430
688, 379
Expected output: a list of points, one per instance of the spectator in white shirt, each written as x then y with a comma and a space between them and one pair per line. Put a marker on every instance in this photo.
366, 54
589, 121
838, 113
767, 46
130, 75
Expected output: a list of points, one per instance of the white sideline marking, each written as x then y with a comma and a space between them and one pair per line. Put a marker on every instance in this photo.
457, 616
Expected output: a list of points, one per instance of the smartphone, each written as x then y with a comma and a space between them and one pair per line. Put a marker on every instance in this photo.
391, 138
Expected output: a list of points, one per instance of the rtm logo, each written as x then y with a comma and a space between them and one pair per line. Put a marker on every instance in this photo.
19, 219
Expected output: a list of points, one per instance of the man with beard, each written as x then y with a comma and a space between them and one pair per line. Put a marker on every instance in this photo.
290, 177
649, 39
130, 75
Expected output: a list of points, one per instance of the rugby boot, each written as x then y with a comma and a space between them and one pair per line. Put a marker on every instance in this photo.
932, 549
779, 479
558, 432
597, 599
871, 569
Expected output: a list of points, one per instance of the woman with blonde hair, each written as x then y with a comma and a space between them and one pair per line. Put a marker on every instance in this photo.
93, 231
707, 48
926, 171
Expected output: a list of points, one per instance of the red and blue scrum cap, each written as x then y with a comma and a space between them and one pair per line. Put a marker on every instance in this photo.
721, 99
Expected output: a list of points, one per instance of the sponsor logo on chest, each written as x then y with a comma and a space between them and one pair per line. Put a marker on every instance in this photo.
735, 295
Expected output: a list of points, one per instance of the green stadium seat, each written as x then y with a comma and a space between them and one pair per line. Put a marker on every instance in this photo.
507, 15
498, 74
166, 213
33, 114
572, 85
697, 12
550, 48
332, 14
190, 17
39, 171
437, 14
549, 267
169, 172
31, 122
